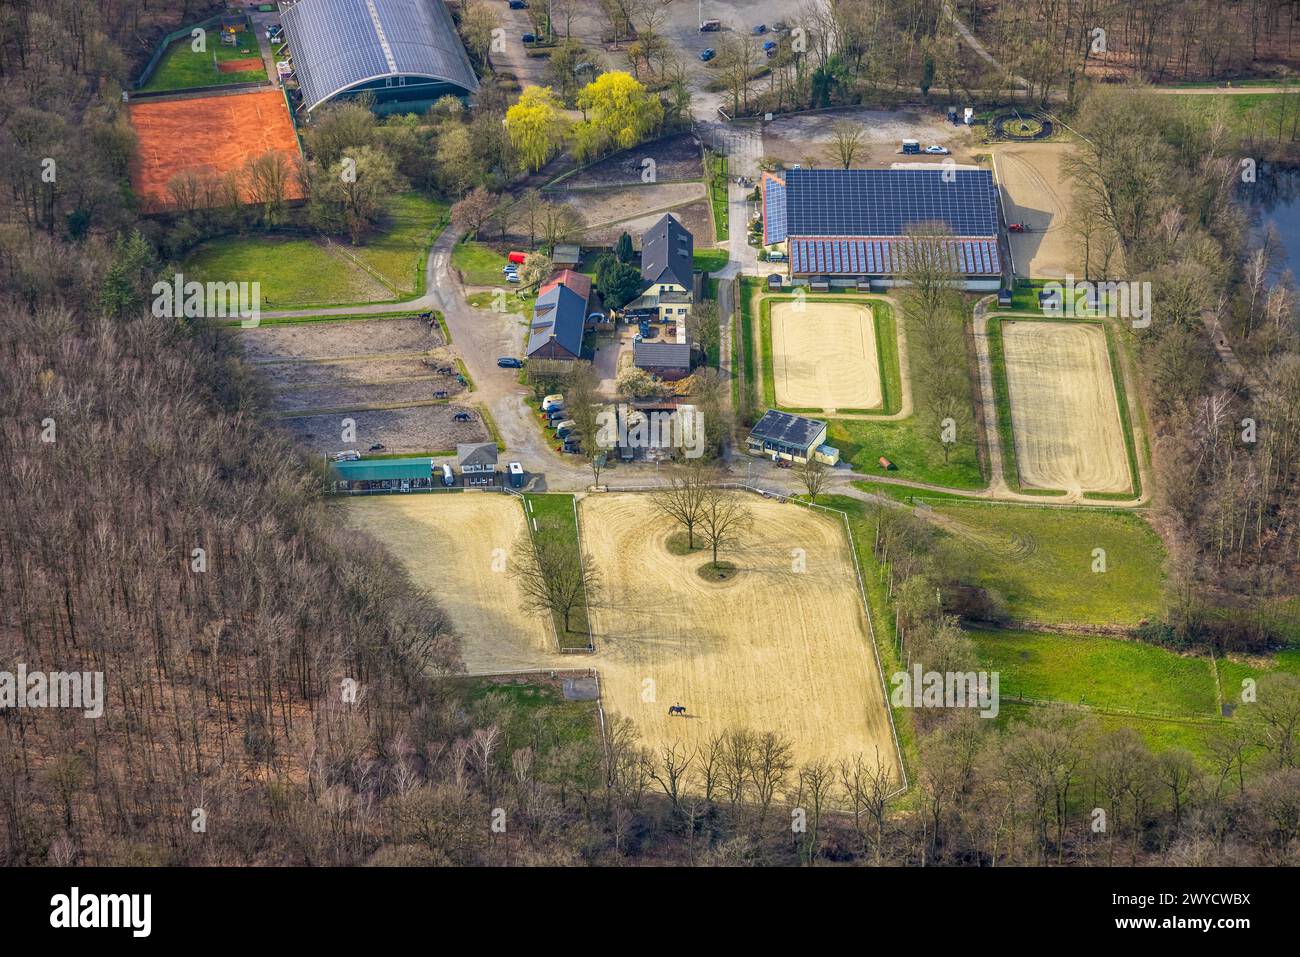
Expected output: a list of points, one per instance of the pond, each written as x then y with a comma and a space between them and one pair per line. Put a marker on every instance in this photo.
1273, 204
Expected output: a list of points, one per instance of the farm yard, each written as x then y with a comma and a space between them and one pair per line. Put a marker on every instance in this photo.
824, 355
1065, 416
606, 213
772, 648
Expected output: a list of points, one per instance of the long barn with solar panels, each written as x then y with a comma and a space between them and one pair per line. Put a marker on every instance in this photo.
405, 53
851, 227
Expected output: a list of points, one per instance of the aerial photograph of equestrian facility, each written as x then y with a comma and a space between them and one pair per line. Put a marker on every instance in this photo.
1064, 412
824, 355
538, 434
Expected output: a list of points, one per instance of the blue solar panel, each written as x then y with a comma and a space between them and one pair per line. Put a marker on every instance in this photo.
773, 210
883, 202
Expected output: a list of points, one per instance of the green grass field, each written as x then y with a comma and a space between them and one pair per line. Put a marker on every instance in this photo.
181, 68
1039, 561
398, 251
915, 453
530, 715
710, 260
1097, 671
479, 265
715, 170
305, 272
553, 516
1193, 735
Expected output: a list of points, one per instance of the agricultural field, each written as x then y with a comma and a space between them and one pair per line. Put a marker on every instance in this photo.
457, 545
1038, 561
824, 355
1097, 671
768, 649
1065, 415
387, 267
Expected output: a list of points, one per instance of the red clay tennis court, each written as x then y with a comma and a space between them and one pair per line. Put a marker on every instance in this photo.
207, 135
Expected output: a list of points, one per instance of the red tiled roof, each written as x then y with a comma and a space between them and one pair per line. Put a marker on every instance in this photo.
567, 277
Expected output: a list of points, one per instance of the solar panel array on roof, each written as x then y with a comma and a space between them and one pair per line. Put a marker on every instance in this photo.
774, 230
339, 44
885, 202
882, 257
787, 428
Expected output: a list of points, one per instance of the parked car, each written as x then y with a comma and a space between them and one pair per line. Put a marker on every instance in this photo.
508, 268
552, 401
707, 54
510, 362
1015, 227
564, 429
710, 26
595, 317
529, 38
769, 47
937, 150
518, 4
760, 29
512, 277
273, 32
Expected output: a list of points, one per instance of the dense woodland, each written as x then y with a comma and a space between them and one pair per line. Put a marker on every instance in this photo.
130, 441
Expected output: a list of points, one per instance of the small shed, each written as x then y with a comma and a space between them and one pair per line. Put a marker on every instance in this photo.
566, 255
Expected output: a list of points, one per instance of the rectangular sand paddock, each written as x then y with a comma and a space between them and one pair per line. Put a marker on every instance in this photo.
773, 649
824, 355
448, 542
1064, 411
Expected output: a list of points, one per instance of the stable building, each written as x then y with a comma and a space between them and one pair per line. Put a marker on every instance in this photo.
385, 475
792, 438
405, 53
559, 318
477, 463
854, 227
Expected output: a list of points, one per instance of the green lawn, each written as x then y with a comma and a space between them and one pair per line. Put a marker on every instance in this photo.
716, 172
1038, 561
529, 715
181, 68
1159, 735
915, 453
514, 303
308, 272
710, 260
1097, 671
1234, 670
398, 250
479, 265
553, 516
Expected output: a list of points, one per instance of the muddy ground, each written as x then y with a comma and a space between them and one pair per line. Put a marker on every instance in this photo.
415, 430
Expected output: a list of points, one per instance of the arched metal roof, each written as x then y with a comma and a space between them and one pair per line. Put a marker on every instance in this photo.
340, 44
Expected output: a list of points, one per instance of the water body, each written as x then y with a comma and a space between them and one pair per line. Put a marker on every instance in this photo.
1273, 204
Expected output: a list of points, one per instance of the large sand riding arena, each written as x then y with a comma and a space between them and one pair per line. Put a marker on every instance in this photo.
209, 136
824, 355
774, 649
1064, 412
1036, 192
449, 543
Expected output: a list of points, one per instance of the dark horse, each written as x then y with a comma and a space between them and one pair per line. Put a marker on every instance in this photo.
677, 709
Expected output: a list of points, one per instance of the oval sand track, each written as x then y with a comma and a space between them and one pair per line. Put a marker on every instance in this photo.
824, 357
447, 542
1064, 414
774, 649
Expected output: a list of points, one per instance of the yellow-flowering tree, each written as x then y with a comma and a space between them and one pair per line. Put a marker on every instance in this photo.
618, 112
535, 125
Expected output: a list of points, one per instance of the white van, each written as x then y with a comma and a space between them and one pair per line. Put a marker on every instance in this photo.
447, 478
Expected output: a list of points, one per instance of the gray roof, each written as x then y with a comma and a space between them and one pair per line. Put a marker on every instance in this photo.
339, 44
669, 354
558, 312
668, 253
788, 429
476, 453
